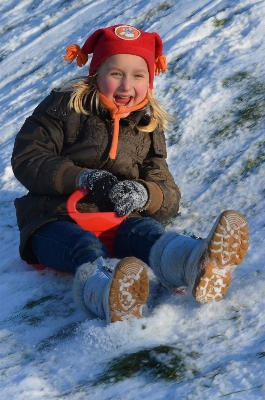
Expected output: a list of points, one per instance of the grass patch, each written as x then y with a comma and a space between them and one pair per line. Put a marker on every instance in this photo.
261, 354
250, 113
28, 73
4, 54
252, 165
6, 29
173, 136
34, 303
37, 311
172, 65
61, 334
33, 320
177, 67
235, 78
164, 6
158, 363
247, 110
220, 22
218, 338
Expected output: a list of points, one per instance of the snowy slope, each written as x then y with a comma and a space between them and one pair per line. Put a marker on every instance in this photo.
215, 86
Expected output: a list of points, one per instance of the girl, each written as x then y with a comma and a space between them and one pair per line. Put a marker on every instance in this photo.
105, 132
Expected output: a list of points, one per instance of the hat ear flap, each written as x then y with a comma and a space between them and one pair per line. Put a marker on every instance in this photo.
160, 59
74, 52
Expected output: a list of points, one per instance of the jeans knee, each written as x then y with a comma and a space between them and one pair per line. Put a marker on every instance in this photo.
136, 236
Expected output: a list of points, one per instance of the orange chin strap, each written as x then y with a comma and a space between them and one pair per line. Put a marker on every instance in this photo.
116, 113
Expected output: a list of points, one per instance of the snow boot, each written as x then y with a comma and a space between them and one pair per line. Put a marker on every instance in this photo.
204, 265
112, 292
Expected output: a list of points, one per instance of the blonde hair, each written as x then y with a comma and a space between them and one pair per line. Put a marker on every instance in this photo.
81, 88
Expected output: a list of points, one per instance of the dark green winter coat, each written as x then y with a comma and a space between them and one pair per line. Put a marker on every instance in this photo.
55, 144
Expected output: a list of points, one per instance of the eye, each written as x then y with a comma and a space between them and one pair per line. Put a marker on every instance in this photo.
115, 73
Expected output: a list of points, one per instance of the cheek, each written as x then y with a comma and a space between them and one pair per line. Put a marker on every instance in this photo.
106, 86
142, 90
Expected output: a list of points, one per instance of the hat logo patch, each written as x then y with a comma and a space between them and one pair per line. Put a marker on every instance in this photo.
126, 32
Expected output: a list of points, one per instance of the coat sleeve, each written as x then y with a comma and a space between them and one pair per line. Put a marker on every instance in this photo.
155, 170
36, 159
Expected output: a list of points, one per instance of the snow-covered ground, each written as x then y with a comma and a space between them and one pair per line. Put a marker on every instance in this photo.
215, 85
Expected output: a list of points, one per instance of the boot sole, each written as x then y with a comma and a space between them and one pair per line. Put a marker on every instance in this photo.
129, 290
227, 247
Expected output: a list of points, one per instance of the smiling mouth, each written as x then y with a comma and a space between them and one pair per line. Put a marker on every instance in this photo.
122, 100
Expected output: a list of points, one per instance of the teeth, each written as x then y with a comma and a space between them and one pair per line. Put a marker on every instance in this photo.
122, 97
118, 99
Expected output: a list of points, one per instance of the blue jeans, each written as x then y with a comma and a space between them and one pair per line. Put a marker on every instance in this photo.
65, 246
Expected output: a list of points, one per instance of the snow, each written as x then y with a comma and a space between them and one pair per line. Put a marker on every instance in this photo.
215, 86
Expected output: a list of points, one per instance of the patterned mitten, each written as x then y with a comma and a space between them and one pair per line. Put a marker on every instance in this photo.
128, 196
98, 181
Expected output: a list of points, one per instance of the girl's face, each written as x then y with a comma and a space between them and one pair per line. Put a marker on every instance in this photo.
124, 79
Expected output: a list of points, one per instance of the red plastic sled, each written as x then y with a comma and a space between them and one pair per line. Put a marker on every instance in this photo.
103, 224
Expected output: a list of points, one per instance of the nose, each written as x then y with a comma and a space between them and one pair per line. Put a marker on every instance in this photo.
126, 83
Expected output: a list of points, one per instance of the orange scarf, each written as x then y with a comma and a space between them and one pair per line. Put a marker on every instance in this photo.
116, 113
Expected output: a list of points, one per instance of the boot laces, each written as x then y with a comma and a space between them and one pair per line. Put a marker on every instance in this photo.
107, 264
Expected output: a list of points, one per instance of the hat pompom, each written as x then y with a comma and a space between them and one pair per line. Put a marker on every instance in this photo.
160, 65
74, 52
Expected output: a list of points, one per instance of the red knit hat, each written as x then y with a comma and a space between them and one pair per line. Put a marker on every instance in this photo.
120, 39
